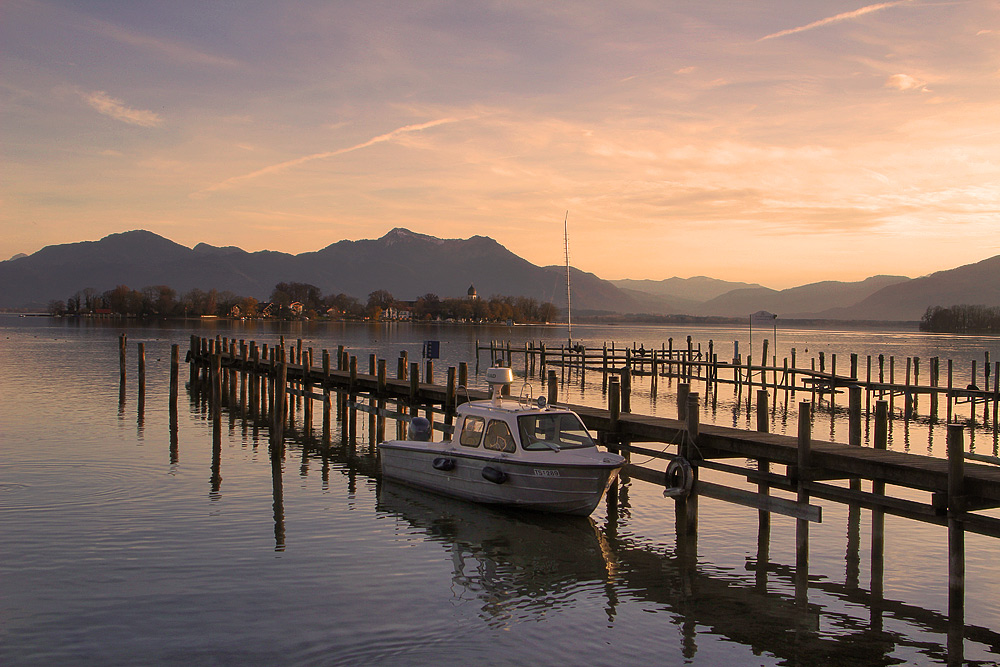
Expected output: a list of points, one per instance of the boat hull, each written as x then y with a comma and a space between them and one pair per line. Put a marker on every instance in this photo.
568, 488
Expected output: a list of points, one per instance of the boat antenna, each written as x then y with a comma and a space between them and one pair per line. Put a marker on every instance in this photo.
569, 302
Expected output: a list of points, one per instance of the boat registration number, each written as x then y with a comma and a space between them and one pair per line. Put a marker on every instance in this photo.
546, 473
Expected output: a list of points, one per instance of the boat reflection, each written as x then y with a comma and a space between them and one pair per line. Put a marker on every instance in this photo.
516, 565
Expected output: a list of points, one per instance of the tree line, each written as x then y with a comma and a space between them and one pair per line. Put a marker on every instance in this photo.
292, 300
962, 319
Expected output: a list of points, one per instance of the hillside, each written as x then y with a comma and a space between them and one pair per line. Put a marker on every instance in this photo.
409, 265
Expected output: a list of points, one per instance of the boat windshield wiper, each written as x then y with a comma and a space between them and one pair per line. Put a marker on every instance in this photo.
551, 445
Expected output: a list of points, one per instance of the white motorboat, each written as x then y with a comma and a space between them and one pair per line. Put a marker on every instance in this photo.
506, 451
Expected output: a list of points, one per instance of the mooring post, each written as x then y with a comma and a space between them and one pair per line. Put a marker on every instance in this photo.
414, 380
142, 367
802, 497
352, 381
429, 371
762, 416
626, 389
683, 389
956, 543
854, 415
853, 573
692, 454
553, 387
380, 379
216, 382
763, 516
880, 442
614, 407
948, 395
463, 374
450, 398
121, 356
175, 362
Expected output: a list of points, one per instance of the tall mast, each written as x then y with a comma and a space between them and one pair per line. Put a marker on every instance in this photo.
569, 302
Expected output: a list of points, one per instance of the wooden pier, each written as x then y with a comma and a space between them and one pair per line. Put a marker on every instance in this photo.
693, 365
770, 472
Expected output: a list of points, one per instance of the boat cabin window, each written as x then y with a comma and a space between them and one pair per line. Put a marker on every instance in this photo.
498, 437
553, 430
472, 431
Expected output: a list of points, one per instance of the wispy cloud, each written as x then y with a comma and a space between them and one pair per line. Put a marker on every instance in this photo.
174, 50
905, 82
281, 166
117, 109
846, 16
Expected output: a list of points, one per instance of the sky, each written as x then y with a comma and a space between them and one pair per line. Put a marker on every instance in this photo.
780, 142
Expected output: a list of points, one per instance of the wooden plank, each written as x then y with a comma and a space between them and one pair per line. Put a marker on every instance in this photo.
748, 498
768, 503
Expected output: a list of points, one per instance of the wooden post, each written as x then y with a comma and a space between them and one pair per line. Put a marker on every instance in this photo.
854, 415
142, 366
881, 442
763, 516
352, 381
762, 420
463, 374
614, 404
450, 399
121, 356
683, 389
626, 389
948, 396
956, 541
691, 453
693, 424
175, 360
429, 371
216, 382
414, 380
380, 379
553, 388
802, 525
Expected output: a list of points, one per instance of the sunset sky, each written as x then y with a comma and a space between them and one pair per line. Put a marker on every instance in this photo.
781, 142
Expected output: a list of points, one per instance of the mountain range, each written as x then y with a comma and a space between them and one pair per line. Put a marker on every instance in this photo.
409, 265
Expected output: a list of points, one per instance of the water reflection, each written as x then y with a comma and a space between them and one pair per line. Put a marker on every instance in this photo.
515, 566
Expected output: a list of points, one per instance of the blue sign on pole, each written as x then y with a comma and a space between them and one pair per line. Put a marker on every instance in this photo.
432, 349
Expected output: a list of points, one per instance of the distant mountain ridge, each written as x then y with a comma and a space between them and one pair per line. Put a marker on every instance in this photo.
410, 264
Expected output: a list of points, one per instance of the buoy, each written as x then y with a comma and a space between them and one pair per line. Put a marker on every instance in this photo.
494, 475
679, 478
442, 463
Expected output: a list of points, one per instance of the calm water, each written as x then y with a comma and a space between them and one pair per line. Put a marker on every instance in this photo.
123, 544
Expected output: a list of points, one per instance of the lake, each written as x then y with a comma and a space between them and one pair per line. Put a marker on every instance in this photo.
125, 542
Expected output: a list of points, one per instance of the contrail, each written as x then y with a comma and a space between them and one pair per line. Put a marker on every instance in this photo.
281, 166
835, 19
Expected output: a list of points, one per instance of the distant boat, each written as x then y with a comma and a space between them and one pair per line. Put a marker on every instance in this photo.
509, 452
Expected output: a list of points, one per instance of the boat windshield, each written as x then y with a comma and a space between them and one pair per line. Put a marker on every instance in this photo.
556, 430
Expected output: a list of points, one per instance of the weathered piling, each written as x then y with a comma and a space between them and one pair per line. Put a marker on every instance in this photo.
804, 447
